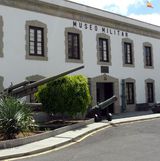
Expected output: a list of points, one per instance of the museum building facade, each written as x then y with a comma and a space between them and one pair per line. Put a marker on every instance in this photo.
42, 38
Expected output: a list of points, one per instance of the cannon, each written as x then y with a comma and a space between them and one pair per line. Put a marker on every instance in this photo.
96, 111
26, 88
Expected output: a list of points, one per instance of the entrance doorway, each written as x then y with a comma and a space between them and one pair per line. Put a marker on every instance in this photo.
104, 92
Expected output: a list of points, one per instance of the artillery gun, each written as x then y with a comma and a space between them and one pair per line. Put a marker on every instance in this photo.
26, 88
96, 111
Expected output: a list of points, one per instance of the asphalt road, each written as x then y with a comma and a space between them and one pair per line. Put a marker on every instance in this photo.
138, 141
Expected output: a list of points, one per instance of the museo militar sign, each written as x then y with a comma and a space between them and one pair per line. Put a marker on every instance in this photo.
92, 27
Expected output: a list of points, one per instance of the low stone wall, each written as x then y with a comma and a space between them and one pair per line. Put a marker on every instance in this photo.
45, 135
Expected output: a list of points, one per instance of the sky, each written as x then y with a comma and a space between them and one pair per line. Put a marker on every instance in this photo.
136, 9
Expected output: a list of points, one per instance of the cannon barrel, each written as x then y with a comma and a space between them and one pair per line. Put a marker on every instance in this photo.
26, 88
45, 80
12, 87
107, 102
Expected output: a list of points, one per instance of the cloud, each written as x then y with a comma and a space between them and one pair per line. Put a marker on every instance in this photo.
149, 18
122, 7
116, 6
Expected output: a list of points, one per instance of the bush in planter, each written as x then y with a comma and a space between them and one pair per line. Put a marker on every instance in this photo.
15, 117
68, 94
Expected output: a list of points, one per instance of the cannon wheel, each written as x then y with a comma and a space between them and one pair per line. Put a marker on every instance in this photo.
109, 117
97, 118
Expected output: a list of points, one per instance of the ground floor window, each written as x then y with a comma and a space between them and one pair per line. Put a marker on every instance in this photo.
150, 93
1, 83
130, 93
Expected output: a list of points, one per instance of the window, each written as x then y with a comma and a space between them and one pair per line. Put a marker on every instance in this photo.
130, 93
31, 79
73, 46
1, 84
128, 53
148, 55
31, 97
150, 93
1, 37
36, 41
103, 50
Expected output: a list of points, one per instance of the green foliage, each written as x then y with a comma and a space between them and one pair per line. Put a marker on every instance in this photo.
15, 117
68, 94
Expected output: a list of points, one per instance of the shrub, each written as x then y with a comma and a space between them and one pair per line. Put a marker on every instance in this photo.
69, 94
15, 117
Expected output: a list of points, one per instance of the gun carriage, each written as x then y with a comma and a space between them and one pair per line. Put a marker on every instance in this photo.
96, 111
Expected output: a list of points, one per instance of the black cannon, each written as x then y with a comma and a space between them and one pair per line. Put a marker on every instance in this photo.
97, 110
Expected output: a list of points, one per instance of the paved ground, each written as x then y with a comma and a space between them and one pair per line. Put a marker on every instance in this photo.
71, 136
130, 142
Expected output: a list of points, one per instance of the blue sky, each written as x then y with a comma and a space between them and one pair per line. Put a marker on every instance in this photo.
142, 9
131, 8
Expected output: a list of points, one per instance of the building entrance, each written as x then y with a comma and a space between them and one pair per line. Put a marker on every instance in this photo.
104, 92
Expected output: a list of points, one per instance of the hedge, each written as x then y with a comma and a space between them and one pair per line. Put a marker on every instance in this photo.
66, 95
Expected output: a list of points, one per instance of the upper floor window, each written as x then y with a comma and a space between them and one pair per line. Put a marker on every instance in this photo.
36, 40
73, 45
148, 56
103, 49
130, 93
128, 52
